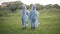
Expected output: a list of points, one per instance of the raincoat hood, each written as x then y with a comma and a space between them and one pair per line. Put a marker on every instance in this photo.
24, 7
33, 7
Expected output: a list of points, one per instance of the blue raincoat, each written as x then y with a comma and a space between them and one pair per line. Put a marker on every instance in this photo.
25, 15
34, 17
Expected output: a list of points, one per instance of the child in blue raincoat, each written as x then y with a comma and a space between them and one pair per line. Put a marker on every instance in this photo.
24, 15
33, 17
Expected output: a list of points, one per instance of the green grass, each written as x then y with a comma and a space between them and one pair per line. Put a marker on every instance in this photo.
49, 24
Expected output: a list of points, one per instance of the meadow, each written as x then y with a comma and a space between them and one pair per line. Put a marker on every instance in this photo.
49, 24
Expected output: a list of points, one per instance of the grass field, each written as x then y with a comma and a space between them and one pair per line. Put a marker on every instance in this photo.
49, 24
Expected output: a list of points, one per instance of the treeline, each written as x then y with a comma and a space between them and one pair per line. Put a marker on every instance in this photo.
17, 5
11, 6
8, 7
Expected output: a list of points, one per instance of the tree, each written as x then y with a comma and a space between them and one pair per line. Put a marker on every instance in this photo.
13, 6
38, 6
56, 6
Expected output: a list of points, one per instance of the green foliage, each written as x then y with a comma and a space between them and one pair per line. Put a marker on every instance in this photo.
12, 7
49, 18
56, 6
39, 7
49, 24
50, 11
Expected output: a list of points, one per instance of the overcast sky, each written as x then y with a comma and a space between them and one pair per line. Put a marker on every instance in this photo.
28, 2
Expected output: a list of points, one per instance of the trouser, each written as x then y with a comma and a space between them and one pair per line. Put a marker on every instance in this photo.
23, 24
33, 24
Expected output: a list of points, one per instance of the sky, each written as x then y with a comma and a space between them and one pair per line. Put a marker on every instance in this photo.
28, 2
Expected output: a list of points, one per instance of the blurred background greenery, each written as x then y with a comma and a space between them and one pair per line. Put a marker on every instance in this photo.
10, 19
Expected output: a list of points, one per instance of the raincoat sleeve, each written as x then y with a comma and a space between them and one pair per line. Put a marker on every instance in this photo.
28, 13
